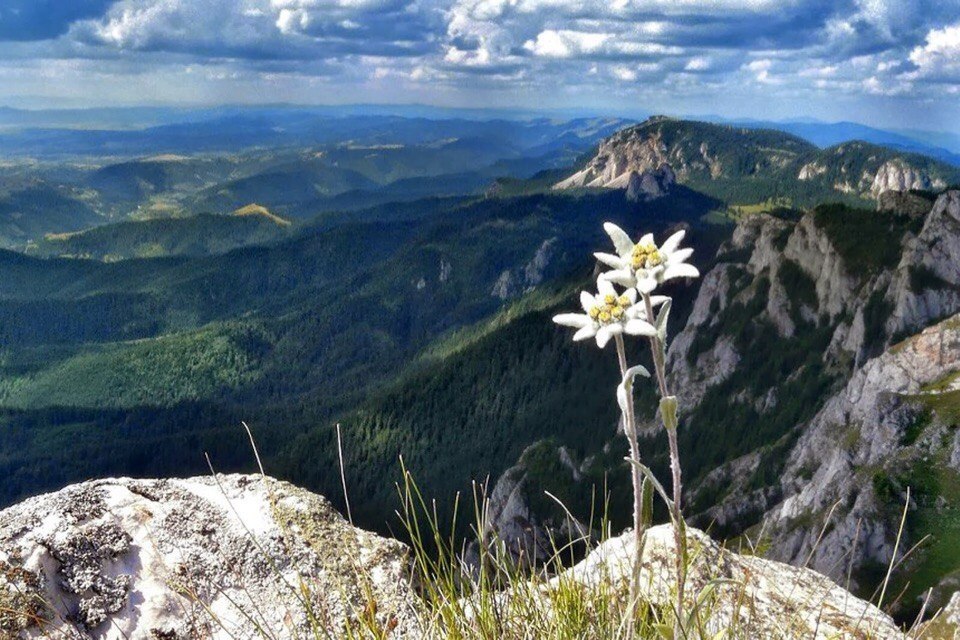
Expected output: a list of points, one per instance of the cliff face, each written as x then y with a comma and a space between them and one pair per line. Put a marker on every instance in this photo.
888, 362
877, 427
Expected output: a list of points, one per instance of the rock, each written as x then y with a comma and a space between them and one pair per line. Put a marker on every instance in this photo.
898, 175
113, 559
617, 159
758, 599
946, 624
861, 427
650, 185
504, 287
527, 535
533, 271
810, 171
926, 285
445, 270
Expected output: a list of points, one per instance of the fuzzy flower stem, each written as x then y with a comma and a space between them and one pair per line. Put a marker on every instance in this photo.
668, 414
630, 430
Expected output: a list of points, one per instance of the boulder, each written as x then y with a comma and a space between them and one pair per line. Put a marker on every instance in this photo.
200, 557
750, 597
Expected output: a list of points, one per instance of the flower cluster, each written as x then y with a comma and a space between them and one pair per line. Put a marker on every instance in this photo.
639, 267
644, 265
608, 313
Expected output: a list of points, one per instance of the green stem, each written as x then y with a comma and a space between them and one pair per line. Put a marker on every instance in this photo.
630, 430
668, 412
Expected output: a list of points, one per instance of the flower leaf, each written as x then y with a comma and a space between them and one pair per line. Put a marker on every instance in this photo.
662, 317
625, 388
668, 411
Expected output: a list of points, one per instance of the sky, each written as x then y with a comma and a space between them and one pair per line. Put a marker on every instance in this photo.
891, 63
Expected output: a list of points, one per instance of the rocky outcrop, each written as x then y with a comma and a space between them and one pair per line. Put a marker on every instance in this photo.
650, 185
810, 171
528, 534
751, 597
184, 559
617, 159
830, 472
512, 282
898, 175
926, 285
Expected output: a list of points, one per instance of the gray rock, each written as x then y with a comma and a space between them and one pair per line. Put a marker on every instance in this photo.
182, 559
757, 598
650, 185
860, 427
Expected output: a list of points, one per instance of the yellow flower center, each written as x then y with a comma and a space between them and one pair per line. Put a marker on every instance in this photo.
646, 256
613, 309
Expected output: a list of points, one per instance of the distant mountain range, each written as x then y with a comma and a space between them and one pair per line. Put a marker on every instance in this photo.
744, 165
944, 147
264, 125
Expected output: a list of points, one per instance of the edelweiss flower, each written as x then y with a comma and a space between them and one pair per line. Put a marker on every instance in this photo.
644, 265
608, 314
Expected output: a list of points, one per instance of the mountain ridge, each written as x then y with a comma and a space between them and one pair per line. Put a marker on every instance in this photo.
739, 164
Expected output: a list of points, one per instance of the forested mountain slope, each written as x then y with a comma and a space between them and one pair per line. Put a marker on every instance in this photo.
288, 335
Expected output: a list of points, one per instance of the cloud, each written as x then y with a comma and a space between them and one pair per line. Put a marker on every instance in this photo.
684, 52
262, 29
939, 56
27, 20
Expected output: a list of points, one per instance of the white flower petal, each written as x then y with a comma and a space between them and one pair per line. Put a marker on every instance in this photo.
621, 241
670, 244
682, 270
658, 300
638, 327
603, 336
577, 320
647, 284
587, 301
646, 239
680, 255
636, 311
623, 277
585, 332
611, 260
631, 295
605, 288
